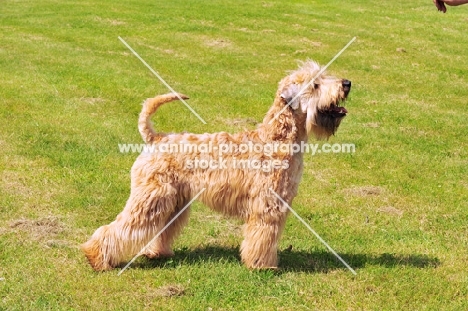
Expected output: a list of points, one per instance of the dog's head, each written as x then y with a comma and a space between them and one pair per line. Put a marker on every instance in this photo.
320, 97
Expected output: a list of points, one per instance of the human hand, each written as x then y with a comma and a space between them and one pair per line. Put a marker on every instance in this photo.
440, 5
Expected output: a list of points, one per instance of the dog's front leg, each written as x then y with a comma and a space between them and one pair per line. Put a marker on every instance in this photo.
259, 250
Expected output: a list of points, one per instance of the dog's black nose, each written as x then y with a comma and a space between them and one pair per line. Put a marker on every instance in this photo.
346, 86
346, 83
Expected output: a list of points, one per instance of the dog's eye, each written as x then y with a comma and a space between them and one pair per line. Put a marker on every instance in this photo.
316, 86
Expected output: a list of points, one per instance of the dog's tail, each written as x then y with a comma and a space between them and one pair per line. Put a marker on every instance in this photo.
149, 108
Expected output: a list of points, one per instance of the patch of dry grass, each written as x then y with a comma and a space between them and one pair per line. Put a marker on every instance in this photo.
38, 229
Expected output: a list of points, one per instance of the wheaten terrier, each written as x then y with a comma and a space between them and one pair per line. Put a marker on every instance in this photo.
237, 175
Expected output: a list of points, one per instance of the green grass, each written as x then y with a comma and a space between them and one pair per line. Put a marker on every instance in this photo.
396, 209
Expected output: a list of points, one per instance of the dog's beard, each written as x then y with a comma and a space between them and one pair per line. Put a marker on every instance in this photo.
323, 122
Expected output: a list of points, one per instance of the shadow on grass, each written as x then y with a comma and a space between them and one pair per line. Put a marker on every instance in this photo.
291, 260
323, 262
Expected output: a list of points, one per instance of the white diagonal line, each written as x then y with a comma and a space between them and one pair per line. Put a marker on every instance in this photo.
162, 80
313, 79
315, 233
160, 232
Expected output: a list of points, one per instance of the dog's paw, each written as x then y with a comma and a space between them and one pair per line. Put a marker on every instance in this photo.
159, 254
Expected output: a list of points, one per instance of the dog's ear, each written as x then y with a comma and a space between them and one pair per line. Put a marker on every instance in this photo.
289, 94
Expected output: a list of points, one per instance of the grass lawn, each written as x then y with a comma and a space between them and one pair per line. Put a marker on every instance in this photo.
395, 210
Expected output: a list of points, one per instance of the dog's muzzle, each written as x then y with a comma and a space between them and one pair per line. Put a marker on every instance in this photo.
336, 110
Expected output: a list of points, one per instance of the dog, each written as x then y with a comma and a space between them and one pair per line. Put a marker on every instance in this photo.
308, 102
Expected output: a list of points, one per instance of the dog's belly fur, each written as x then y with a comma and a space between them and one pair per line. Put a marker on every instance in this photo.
235, 192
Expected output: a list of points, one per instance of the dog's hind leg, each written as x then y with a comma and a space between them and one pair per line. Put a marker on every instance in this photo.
162, 245
144, 215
